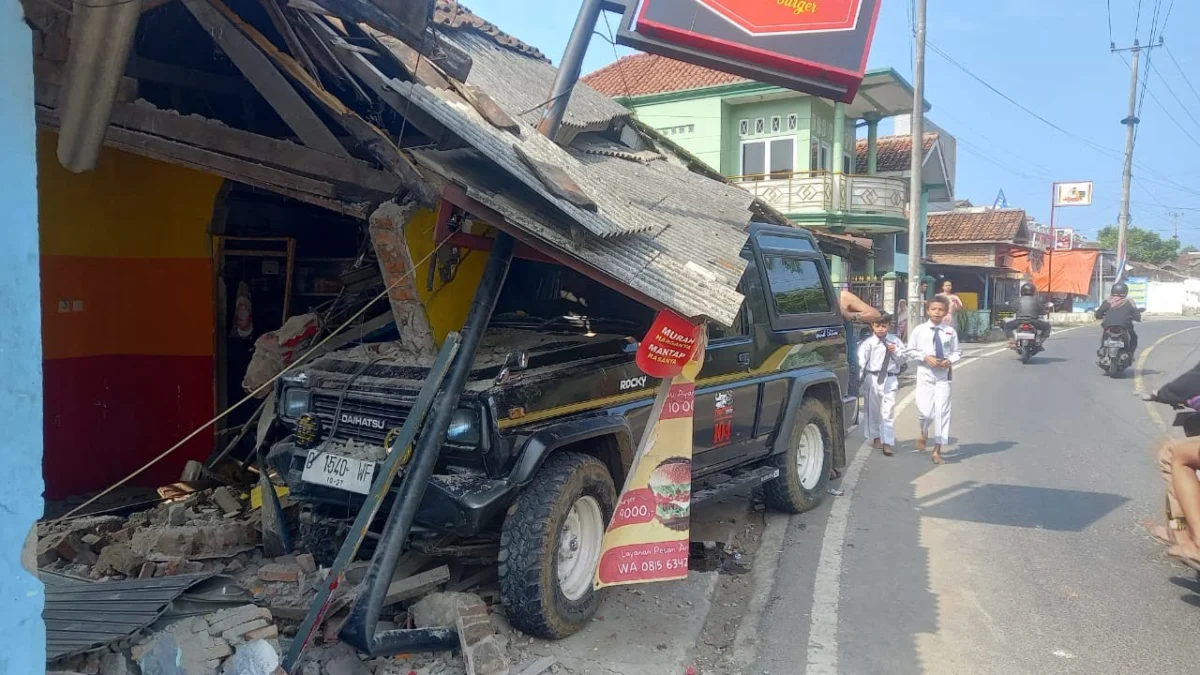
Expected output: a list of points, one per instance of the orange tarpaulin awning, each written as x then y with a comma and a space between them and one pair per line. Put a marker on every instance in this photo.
1070, 271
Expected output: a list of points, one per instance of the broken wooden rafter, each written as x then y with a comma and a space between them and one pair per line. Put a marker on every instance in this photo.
379, 83
373, 139
269, 82
272, 151
279, 19
448, 57
323, 55
316, 192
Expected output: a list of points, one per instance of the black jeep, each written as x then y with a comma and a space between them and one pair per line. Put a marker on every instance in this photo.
550, 420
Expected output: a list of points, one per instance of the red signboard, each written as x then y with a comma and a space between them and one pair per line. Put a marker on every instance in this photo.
816, 46
670, 343
764, 17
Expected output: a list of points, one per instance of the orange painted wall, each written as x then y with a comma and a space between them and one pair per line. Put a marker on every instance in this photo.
127, 307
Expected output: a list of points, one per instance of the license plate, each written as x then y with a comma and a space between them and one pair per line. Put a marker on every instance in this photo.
1114, 343
344, 473
1025, 336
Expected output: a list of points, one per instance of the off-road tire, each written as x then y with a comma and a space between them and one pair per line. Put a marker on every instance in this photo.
533, 601
786, 493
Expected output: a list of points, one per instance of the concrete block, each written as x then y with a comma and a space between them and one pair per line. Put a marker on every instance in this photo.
307, 563
236, 633
442, 609
223, 498
121, 559
486, 658
115, 664
225, 619
277, 572
177, 515
264, 633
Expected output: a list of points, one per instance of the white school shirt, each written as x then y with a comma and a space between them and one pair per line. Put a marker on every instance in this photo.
920, 343
872, 349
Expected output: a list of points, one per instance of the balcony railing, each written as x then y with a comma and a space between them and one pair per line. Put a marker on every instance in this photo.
809, 192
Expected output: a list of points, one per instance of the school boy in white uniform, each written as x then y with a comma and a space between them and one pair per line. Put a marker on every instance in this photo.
935, 344
880, 359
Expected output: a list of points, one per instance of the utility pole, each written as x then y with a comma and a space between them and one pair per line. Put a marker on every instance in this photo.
1175, 223
916, 304
1131, 121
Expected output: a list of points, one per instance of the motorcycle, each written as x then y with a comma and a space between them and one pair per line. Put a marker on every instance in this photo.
1114, 353
1026, 342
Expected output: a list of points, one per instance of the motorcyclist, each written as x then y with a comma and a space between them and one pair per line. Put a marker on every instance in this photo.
1119, 310
1030, 311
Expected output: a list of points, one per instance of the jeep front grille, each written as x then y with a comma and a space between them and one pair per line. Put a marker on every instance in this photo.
365, 421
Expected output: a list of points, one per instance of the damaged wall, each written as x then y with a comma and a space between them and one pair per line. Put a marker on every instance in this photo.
127, 307
447, 305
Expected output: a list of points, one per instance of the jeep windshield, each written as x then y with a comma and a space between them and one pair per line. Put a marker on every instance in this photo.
548, 298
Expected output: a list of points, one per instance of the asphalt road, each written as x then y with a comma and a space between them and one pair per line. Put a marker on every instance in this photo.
1024, 554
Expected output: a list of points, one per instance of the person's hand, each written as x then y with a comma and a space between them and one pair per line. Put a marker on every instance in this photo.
891, 347
932, 361
944, 363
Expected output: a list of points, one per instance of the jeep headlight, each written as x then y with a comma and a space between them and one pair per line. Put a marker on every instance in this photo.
295, 402
464, 428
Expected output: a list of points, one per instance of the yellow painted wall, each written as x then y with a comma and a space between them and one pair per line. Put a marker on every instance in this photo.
447, 305
128, 207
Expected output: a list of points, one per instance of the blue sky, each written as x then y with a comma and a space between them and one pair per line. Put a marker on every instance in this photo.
1053, 58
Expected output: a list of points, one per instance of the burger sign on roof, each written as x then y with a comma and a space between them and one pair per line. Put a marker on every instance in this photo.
819, 47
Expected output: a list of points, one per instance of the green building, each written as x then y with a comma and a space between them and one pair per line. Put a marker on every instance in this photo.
799, 153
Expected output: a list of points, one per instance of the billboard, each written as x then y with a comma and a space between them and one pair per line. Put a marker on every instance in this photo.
1138, 287
818, 47
1073, 194
1064, 239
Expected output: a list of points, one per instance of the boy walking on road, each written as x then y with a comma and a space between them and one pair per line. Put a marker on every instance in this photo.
935, 343
880, 358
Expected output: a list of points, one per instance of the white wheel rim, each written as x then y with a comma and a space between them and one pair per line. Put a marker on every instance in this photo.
579, 542
810, 458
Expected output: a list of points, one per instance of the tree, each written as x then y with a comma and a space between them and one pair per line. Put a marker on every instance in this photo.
1142, 245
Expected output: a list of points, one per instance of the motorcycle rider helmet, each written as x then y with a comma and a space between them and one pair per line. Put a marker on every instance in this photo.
1028, 289
1119, 289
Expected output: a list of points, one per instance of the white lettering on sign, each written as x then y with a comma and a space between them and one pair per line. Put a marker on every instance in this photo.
633, 383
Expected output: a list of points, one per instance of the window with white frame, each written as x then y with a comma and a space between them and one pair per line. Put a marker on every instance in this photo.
847, 164
819, 159
769, 158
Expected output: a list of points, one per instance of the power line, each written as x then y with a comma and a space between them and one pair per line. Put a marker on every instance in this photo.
1171, 91
1168, 112
1138, 22
1186, 81
1163, 180
1108, 4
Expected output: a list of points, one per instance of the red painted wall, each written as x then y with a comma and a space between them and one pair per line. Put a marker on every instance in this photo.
127, 318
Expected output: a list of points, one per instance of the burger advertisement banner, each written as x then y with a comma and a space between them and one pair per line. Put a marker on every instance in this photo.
648, 538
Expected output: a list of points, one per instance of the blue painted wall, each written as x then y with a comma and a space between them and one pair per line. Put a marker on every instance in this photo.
21, 594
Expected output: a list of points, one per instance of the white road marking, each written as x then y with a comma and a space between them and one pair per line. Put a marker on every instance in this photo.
827, 586
1064, 654
1139, 382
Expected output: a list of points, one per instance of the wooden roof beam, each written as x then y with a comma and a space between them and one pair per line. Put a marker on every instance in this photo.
269, 82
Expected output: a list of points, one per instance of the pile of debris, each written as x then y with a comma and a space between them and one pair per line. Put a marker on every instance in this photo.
247, 624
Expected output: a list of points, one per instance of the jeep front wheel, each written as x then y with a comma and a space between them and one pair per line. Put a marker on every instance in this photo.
551, 543
804, 466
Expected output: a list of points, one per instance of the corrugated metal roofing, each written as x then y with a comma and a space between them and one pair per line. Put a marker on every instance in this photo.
498, 146
521, 85
654, 263
81, 615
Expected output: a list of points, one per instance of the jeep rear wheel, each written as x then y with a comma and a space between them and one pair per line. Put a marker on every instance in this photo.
550, 546
804, 466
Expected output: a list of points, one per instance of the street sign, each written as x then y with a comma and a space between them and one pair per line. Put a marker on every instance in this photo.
1064, 239
818, 47
1073, 194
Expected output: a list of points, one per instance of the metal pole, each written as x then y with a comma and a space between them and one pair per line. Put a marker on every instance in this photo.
1053, 244
360, 626
916, 305
569, 67
1130, 123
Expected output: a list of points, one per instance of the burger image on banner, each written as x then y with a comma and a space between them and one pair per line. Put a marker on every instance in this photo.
671, 484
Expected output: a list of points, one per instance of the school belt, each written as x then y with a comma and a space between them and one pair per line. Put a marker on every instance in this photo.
876, 372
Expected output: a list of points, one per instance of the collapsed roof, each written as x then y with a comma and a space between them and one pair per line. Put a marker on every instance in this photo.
451, 119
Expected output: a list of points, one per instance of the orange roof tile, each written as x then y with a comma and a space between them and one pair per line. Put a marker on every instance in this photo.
998, 225
642, 74
894, 153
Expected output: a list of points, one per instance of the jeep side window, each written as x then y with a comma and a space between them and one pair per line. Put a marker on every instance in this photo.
745, 315
795, 286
